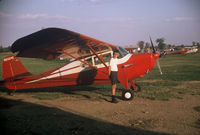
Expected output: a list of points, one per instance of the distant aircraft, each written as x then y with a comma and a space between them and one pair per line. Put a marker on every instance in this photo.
182, 52
193, 50
89, 65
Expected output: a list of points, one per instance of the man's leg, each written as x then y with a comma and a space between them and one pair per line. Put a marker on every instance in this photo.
114, 89
113, 93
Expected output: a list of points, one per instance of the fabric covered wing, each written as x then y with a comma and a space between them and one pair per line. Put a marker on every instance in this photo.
51, 43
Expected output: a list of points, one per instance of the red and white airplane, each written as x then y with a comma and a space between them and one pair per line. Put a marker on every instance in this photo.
89, 65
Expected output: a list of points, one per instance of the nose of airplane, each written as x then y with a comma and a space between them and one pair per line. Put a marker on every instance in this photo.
156, 55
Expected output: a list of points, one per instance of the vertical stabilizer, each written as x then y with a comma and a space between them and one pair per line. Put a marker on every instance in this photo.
13, 68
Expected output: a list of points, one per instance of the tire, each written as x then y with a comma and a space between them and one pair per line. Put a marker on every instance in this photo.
137, 88
127, 95
10, 92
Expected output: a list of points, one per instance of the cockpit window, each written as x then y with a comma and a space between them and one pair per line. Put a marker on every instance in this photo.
106, 58
122, 52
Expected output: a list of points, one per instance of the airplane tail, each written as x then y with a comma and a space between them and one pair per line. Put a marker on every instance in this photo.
13, 68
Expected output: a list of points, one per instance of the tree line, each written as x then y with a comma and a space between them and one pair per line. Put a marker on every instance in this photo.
143, 45
5, 49
161, 44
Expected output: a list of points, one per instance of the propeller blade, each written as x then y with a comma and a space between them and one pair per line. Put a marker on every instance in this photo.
158, 64
154, 51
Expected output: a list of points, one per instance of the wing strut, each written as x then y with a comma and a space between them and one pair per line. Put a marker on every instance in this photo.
84, 62
97, 56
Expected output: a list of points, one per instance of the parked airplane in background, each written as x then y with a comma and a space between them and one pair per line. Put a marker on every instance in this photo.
89, 65
192, 50
182, 52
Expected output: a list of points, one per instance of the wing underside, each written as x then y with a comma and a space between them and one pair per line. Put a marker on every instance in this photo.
54, 43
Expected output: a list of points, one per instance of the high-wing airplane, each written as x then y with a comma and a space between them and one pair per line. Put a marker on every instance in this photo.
89, 62
182, 52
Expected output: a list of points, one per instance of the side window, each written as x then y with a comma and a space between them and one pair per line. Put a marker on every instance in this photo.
89, 61
106, 58
97, 61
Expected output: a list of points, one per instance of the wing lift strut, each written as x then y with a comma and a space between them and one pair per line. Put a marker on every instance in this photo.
100, 58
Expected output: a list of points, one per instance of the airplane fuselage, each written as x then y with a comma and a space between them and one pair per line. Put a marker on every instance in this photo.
130, 67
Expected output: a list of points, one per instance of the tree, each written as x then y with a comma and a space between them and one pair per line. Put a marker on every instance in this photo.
147, 45
193, 43
5, 49
182, 45
169, 46
198, 44
1, 48
161, 44
141, 44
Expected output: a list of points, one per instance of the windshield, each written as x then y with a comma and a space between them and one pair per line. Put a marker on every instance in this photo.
122, 52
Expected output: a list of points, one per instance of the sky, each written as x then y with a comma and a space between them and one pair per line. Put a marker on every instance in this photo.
119, 22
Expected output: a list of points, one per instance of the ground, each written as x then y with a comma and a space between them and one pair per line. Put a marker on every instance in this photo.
83, 116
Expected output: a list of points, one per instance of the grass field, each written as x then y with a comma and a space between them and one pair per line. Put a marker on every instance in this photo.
181, 75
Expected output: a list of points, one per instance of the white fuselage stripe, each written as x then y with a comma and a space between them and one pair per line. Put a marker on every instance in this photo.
63, 71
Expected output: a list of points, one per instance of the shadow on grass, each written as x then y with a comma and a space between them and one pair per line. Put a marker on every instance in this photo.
18, 117
85, 91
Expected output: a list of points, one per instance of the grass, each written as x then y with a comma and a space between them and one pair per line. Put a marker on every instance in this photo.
35, 66
181, 76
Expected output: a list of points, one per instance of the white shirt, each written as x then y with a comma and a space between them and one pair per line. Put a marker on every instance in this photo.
113, 64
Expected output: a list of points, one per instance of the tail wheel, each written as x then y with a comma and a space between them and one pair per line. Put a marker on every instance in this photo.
137, 88
10, 92
127, 94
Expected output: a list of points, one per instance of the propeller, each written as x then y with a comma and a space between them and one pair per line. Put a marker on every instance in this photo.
154, 50
158, 64
157, 61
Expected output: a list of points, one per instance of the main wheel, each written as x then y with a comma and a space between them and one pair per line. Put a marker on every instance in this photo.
137, 88
127, 94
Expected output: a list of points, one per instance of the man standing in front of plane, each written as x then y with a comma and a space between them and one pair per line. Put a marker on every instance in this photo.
113, 74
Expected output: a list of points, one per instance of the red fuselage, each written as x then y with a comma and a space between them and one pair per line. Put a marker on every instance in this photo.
130, 67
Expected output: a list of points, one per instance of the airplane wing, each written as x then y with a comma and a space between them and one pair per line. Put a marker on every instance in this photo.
54, 43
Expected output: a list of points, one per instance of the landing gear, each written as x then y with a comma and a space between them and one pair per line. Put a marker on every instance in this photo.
10, 92
137, 88
134, 87
127, 94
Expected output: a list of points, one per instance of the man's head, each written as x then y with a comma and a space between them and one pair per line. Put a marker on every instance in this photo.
115, 54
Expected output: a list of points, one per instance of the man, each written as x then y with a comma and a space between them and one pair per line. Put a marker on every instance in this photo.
113, 74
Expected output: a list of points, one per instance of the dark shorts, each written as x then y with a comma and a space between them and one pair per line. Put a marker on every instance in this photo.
113, 77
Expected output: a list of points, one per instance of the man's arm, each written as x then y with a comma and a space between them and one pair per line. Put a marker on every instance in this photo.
109, 70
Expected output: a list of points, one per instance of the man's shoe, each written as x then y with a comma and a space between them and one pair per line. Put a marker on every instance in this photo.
114, 100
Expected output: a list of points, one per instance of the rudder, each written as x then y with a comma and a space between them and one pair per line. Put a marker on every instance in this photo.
13, 68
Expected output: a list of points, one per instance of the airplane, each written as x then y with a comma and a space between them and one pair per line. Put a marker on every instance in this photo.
192, 50
88, 66
182, 52
186, 50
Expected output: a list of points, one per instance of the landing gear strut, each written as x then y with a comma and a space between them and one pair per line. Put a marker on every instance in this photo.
137, 88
